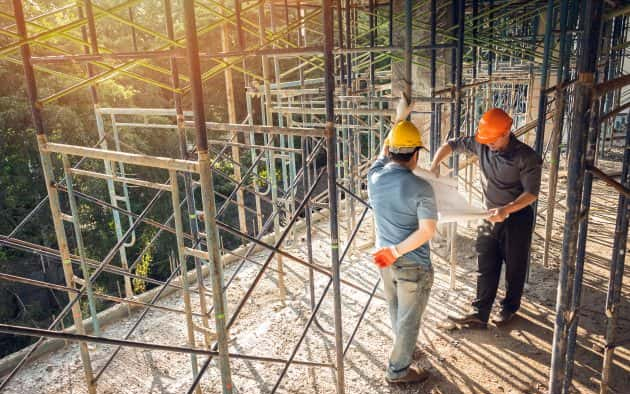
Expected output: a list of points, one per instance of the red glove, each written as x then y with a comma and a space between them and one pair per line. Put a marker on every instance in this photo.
384, 257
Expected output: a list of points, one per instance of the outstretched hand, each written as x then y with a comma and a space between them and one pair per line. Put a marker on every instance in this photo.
497, 215
404, 107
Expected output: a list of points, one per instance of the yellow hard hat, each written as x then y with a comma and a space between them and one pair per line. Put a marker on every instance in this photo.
404, 138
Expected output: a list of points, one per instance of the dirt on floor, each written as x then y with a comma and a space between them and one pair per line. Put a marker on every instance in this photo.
513, 359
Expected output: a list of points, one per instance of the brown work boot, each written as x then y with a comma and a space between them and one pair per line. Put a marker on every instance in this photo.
503, 318
413, 375
418, 354
471, 320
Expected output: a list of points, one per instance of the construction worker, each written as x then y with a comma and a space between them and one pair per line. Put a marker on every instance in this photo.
405, 216
510, 179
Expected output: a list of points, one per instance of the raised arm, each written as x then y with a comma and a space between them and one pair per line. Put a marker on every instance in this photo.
442, 153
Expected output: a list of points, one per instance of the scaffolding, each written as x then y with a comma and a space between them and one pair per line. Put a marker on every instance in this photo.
320, 80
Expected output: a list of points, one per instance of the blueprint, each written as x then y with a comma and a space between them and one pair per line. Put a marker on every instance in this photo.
452, 206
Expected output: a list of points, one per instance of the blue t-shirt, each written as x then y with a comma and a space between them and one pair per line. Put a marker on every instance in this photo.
399, 200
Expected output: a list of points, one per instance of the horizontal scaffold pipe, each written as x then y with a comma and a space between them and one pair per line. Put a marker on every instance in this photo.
38, 332
141, 111
122, 157
116, 178
253, 146
181, 53
258, 129
54, 255
609, 180
103, 296
614, 112
515, 78
338, 111
605, 87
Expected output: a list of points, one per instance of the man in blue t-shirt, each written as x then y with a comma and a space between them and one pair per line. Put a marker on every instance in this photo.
405, 215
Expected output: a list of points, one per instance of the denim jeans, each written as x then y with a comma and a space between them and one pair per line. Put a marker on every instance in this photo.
407, 286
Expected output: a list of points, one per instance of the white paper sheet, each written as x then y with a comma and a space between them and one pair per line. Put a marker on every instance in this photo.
451, 205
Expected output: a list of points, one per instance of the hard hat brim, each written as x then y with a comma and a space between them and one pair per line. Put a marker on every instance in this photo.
482, 139
407, 149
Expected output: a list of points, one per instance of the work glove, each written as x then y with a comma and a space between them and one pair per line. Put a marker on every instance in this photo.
384, 257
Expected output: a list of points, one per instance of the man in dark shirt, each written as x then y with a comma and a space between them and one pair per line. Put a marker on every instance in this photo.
510, 179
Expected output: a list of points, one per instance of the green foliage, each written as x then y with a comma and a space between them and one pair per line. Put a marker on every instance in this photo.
142, 269
263, 176
71, 120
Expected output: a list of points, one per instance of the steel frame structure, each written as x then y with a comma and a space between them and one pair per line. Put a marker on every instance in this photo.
322, 90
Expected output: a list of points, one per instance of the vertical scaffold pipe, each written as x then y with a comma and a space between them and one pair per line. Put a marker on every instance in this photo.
542, 99
271, 162
591, 13
31, 89
613, 295
612, 30
306, 185
390, 15
348, 45
581, 247
239, 25
207, 194
179, 234
472, 109
408, 47
475, 50
458, 77
457, 117
342, 64
372, 20
331, 146
110, 167
489, 98
556, 135
190, 196
434, 138
231, 105
76, 224
190, 201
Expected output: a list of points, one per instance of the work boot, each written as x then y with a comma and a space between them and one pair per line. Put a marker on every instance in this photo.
503, 317
413, 375
418, 354
471, 320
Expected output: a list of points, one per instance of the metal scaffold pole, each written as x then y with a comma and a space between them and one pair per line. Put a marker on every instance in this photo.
434, 138
591, 12
408, 48
90, 36
207, 196
459, 11
615, 281
231, 105
331, 159
53, 197
558, 125
576, 297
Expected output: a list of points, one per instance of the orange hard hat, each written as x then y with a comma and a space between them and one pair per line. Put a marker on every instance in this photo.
494, 124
